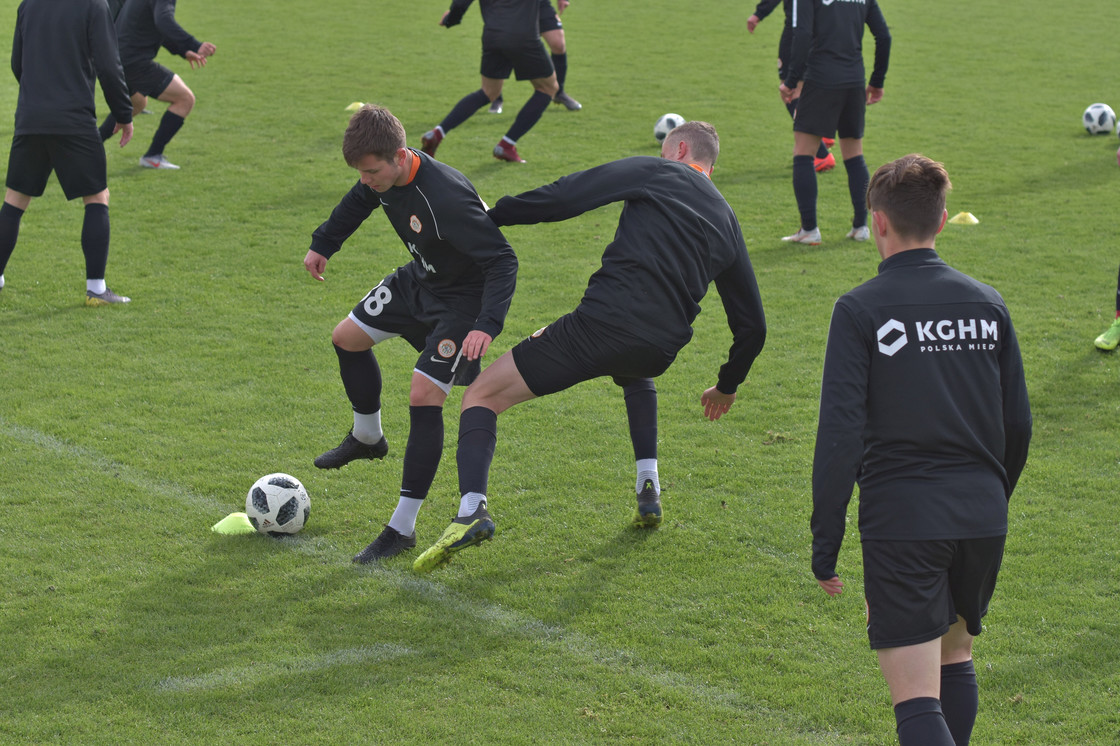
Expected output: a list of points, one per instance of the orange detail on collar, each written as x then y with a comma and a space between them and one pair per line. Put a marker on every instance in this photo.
415, 167
698, 168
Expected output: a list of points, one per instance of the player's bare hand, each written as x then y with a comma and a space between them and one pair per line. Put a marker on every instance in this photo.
207, 49
475, 344
752, 23
789, 94
833, 586
561, 4
716, 403
126, 132
443, 18
316, 264
196, 59
874, 95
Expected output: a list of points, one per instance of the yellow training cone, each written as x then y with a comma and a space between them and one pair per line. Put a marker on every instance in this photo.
964, 218
355, 106
234, 523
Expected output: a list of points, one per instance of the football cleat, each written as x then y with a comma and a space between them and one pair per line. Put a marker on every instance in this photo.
503, 151
648, 514
108, 298
812, 238
430, 140
496, 106
820, 165
861, 233
464, 531
351, 449
570, 103
828, 142
1110, 338
157, 162
389, 543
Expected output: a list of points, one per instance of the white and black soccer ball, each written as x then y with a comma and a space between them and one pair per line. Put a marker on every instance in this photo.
666, 124
1099, 119
277, 504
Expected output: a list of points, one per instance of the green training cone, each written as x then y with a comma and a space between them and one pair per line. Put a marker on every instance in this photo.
234, 523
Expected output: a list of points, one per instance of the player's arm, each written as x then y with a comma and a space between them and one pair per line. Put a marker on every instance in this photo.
454, 15
738, 290
107, 66
478, 237
1017, 423
878, 27
578, 193
358, 204
801, 39
17, 46
839, 446
763, 9
175, 38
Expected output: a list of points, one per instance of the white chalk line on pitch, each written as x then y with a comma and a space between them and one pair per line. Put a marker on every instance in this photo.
493, 615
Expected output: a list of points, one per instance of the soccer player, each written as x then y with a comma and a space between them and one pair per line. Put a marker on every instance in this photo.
59, 48
552, 31
449, 302
924, 404
1110, 337
511, 42
825, 75
143, 26
676, 235
823, 160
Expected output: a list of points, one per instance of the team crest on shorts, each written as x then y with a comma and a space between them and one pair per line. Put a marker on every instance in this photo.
414, 224
447, 348
538, 332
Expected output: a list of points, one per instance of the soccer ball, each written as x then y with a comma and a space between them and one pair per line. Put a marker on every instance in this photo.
277, 504
1099, 119
666, 124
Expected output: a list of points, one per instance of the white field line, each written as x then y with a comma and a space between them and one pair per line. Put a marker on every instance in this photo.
578, 645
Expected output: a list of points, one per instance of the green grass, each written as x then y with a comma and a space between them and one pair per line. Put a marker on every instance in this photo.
126, 432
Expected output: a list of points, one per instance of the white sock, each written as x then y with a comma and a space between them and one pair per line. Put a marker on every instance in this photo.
367, 428
439, 129
469, 503
404, 517
647, 469
1, 281
96, 286
505, 138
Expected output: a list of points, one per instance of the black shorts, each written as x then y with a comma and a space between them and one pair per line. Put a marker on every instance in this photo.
78, 160
526, 58
147, 77
822, 111
400, 307
550, 20
577, 348
916, 589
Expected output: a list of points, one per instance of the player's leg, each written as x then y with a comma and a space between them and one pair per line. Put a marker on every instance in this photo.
960, 693
558, 51
530, 63
139, 106
29, 167
361, 379
181, 101
95, 247
498, 388
494, 69
913, 676
805, 188
1108, 340
850, 130
641, 414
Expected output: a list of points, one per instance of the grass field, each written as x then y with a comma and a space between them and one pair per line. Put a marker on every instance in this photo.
125, 433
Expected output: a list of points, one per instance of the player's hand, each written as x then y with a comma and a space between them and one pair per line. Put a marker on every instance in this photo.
316, 264
475, 344
561, 4
833, 586
207, 49
443, 19
789, 94
716, 403
126, 132
196, 59
874, 95
752, 23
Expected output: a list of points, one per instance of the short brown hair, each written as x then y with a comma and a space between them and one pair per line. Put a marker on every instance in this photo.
373, 130
911, 191
701, 138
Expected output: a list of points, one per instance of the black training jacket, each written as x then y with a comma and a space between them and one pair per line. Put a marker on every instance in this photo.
923, 404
